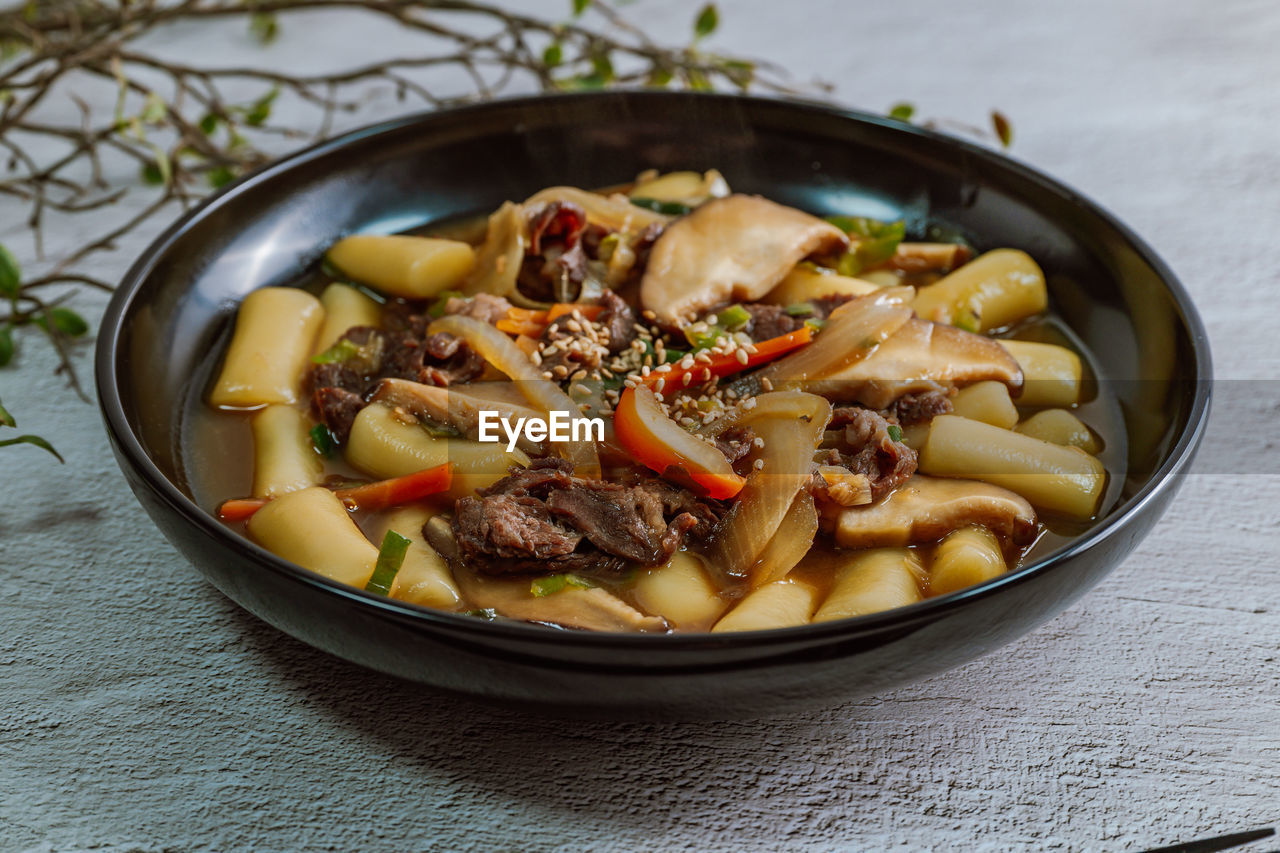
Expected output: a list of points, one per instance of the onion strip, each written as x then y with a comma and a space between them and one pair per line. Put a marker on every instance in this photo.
853, 331
791, 424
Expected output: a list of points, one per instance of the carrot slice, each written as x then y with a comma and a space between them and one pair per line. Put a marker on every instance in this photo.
724, 365
371, 496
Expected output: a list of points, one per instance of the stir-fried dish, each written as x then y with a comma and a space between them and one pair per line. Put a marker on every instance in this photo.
667, 407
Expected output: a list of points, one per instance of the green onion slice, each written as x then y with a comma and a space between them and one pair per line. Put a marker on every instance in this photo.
390, 558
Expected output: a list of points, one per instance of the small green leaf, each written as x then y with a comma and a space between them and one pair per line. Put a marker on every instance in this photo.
154, 109
35, 441
209, 124
734, 317
552, 584
390, 558
741, 73
260, 110
1002, 127
895, 432
698, 81
6, 419
151, 174
10, 274
580, 6
660, 78
6, 352
707, 21
344, 350
671, 208
602, 67
322, 440
264, 27
553, 55
64, 320
220, 176
902, 111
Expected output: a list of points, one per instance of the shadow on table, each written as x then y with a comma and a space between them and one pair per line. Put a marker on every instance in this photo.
557, 762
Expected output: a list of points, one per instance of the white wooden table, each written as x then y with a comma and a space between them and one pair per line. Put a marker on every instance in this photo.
140, 710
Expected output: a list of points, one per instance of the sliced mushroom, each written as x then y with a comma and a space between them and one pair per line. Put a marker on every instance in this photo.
921, 356
924, 509
737, 247
590, 609
461, 409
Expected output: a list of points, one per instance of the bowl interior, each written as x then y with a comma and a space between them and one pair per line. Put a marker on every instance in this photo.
1116, 295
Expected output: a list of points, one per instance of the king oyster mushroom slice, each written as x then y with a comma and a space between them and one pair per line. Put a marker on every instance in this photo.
459, 408
733, 248
921, 356
924, 509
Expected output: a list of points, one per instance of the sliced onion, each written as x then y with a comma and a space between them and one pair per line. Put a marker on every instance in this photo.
614, 212
791, 424
852, 332
499, 258
501, 352
791, 541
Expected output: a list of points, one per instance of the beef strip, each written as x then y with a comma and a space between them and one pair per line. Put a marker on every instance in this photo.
918, 408
769, 321
868, 449
338, 389
337, 408
735, 443
543, 519
618, 318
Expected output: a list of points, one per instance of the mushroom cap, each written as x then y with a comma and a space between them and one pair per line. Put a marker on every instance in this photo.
921, 356
924, 509
738, 247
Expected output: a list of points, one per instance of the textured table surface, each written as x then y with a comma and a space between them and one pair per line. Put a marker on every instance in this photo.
139, 709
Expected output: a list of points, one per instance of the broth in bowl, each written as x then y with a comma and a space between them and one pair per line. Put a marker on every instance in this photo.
665, 407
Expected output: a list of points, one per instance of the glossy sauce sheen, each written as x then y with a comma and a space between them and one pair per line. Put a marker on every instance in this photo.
216, 450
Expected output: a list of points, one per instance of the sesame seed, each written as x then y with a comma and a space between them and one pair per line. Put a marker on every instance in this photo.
749, 403
581, 389
578, 375
686, 379
661, 384
741, 356
649, 315
630, 383
757, 442
706, 374
686, 362
560, 371
765, 383
711, 320
574, 325
645, 371
702, 357
758, 464
546, 374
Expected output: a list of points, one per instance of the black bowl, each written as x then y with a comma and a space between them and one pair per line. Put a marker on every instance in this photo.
177, 301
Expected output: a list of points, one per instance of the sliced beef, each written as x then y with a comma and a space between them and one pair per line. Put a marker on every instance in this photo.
337, 409
511, 534
677, 501
543, 519
770, 321
919, 408
867, 448
735, 443
338, 389
618, 318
